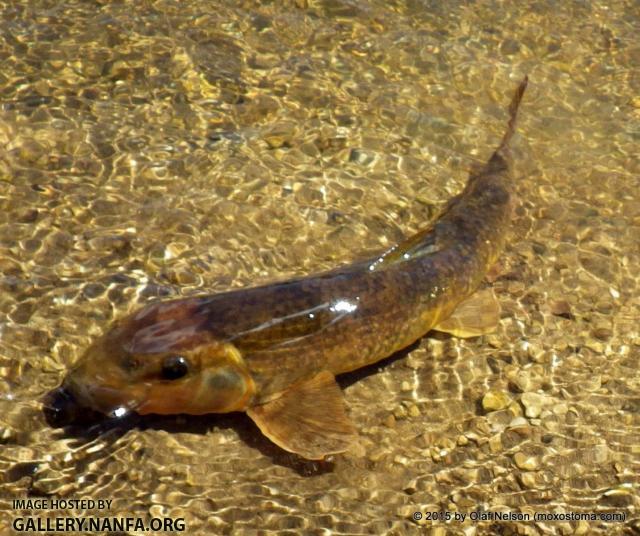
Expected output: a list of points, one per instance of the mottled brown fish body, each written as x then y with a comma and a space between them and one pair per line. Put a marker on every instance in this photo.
273, 350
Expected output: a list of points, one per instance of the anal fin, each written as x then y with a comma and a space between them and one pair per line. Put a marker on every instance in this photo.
308, 419
475, 316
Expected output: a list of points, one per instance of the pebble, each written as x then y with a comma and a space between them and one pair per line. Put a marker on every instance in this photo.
602, 332
446, 443
620, 496
518, 421
495, 400
528, 480
175, 249
600, 453
377, 455
495, 443
280, 134
560, 409
623, 490
499, 420
7, 435
400, 412
525, 380
582, 527
515, 409
561, 308
526, 462
533, 403
596, 346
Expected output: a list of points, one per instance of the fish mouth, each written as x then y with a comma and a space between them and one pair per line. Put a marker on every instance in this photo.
74, 404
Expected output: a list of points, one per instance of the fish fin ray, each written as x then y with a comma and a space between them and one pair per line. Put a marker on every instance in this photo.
513, 116
308, 419
477, 315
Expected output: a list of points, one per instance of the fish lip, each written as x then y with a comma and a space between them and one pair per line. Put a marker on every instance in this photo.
59, 407
108, 401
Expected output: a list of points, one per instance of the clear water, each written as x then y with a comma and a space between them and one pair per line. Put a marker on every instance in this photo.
153, 149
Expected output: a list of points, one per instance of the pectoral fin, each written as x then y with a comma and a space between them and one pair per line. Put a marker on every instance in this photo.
308, 418
477, 315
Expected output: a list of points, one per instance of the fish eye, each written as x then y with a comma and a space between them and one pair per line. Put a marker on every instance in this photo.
174, 367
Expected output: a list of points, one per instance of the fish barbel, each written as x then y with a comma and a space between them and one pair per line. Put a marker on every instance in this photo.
273, 351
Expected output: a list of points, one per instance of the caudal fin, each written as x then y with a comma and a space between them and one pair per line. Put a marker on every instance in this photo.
513, 113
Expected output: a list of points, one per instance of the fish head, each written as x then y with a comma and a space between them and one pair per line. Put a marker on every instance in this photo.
161, 360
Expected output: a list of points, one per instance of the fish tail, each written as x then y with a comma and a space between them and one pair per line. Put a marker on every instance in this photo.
513, 114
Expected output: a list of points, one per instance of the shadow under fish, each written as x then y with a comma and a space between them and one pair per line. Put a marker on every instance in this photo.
273, 351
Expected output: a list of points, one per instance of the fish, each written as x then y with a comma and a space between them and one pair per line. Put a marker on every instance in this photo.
273, 351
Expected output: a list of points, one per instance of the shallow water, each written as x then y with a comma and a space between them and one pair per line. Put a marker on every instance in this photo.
162, 149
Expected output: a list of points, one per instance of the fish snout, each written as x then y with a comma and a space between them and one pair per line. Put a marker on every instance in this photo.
61, 408
70, 405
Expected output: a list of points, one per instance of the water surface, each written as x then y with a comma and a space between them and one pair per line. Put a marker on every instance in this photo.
160, 149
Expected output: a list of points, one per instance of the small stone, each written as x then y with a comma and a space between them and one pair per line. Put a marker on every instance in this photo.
495, 444
528, 480
390, 421
600, 454
280, 135
7, 435
509, 47
564, 528
414, 411
518, 421
405, 386
175, 249
515, 409
582, 527
533, 404
561, 308
443, 477
377, 455
602, 332
361, 157
591, 384
560, 409
400, 412
525, 462
446, 443
596, 346
462, 441
495, 400
598, 265
401, 460
623, 490
528, 379
498, 420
